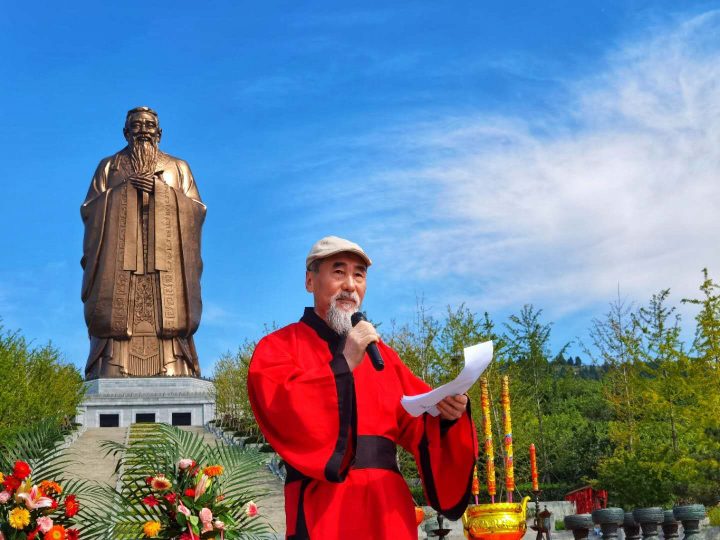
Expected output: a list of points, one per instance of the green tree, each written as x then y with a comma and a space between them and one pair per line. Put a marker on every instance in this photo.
707, 330
232, 404
528, 344
616, 339
415, 343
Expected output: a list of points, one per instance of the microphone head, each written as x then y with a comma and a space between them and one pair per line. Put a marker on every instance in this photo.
357, 317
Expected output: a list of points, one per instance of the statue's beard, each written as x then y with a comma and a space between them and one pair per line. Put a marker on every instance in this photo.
143, 155
338, 318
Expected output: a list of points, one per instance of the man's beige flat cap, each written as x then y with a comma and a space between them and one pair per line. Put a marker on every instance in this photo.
330, 245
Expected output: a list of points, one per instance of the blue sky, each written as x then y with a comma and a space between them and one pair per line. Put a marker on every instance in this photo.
492, 153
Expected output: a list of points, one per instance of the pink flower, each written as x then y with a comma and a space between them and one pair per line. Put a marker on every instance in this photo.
34, 499
251, 509
219, 525
202, 484
44, 523
183, 509
4, 497
206, 515
206, 519
185, 464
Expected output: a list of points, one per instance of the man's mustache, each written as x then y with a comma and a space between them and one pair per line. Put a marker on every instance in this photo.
347, 296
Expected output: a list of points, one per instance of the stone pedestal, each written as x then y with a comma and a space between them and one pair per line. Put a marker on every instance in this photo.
172, 400
579, 524
609, 520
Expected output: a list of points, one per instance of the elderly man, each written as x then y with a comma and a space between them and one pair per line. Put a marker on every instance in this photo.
141, 258
336, 421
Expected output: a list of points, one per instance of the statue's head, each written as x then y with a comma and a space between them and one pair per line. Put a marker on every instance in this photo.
142, 124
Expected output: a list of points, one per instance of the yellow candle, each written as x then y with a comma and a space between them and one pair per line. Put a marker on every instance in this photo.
507, 429
487, 430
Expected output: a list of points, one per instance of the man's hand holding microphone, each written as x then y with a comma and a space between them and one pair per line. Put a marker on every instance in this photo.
363, 338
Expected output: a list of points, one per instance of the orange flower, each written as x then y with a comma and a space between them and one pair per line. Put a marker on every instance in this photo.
151, 528
419, 515
48, 487
56, 533
213, 470
160, 483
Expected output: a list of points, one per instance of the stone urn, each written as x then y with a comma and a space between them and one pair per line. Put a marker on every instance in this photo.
631, 527
670, 526
690, 515
609, 520
649, 519
579, 524
499, 521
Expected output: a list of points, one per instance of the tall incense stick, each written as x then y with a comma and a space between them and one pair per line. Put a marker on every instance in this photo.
487, 430
507, 429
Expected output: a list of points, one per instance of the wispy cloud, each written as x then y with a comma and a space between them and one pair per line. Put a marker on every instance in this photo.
621, 187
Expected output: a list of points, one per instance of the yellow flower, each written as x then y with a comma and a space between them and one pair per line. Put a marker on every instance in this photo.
213, 470
19, 518
2, 478
151, 528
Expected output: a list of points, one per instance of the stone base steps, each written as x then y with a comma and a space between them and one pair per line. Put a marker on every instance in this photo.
89, 459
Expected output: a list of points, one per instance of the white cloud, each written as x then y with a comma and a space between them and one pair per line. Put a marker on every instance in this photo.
622, 187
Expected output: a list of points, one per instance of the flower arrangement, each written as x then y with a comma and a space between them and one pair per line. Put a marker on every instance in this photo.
31, 511
190, 504
162, 493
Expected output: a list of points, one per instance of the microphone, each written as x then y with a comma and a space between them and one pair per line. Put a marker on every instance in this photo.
372, 349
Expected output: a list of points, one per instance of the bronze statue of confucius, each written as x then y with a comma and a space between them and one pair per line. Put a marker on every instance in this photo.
141, 259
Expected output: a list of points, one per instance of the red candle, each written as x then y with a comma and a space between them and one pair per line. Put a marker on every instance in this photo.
533, 469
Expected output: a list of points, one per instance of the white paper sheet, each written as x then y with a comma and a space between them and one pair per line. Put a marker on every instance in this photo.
477, 359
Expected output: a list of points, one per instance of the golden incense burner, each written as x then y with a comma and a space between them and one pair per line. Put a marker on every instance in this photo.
498, 521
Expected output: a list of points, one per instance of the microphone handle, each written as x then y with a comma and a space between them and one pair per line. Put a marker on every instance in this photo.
375, 357
372, 349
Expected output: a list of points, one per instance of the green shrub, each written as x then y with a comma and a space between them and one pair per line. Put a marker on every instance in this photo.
714, 516
37, 385
559, 525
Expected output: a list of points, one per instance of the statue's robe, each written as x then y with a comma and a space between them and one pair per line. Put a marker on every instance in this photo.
142, 267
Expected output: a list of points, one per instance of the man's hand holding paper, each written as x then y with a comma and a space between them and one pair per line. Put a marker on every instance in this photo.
477, 359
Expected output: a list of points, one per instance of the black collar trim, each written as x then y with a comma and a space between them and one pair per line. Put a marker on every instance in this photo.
314, 321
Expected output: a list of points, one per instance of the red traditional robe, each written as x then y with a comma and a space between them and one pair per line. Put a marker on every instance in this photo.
337, 430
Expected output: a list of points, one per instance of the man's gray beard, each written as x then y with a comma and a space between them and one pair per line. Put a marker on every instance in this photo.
339, 319
143, 156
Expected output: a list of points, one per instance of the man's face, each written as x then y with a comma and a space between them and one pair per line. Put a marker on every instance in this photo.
142, 126
340, 277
